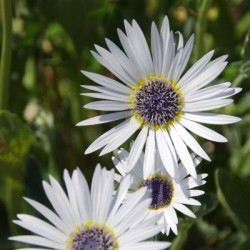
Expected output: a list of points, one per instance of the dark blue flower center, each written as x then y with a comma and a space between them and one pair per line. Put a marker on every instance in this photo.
93, 238
157, 102
162, 191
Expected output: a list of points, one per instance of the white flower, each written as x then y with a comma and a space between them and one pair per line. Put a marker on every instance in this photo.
91, 220
156, 95
168, 193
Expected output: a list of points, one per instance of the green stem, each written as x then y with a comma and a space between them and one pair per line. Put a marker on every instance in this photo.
239, 79
6, 52
179, 241
201, 28
14, 191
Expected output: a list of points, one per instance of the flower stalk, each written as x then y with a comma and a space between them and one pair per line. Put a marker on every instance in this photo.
6, 52
201, 28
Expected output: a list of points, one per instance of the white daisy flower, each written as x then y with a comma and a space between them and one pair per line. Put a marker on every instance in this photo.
85, 220
168, 193
153, 93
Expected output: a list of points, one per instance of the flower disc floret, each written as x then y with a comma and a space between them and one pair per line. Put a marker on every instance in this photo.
156, 102
162, 190
92, 236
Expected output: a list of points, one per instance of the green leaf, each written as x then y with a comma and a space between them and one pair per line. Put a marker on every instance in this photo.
78, 27
246, 48
243, 25
208, 203
183, 229
15, 141
243, 246
192, 4
233, 193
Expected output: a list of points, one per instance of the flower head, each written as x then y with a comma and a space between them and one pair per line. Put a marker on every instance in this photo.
168, 193
155, 95
85, 220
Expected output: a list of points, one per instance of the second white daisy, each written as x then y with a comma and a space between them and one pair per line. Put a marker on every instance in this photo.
168, 194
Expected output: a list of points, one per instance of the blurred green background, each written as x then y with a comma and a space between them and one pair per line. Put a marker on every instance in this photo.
50, 45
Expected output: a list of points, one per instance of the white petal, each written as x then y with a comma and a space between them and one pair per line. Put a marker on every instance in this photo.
149, 158
146, 245
156, 47
36, 240
83, 195
113, 67
72, 197
128, 206
169, 221
144, 50
119, 197
165, 153
57, 202
107, 82
107, 105
195, 69
165, 30
106, 191
206, 105
211, 71
104, 118
134, 218
108, 136
137, 147
109, 91
190, 141
185, 57
51, 216
119, 166
211, 118
206, 93
120, 138
183, 153
107, 97
40, 227
128, 65
202, 131
184, 210
194, 193
172, 214
173, 70
62, 199
96, 187
128, 47
182, 173
168, 54
170, 145
134, 235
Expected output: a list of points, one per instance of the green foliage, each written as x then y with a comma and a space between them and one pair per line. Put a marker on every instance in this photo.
15, 142
209, 203
246, 48
51, 43
233, 193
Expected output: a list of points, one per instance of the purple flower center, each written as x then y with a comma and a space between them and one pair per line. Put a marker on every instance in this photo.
157, 102
93, 238
162, 191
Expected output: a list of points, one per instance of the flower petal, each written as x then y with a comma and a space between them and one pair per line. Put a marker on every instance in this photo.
202, 131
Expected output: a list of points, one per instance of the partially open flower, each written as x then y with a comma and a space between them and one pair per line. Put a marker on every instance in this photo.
168, 193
